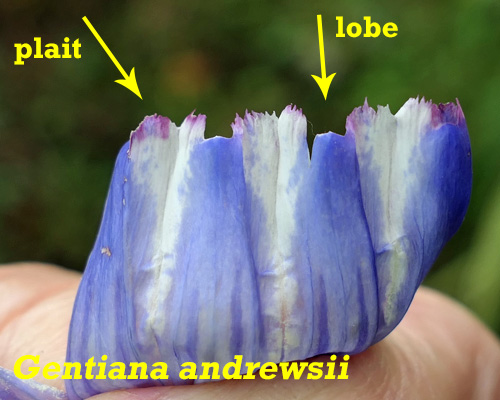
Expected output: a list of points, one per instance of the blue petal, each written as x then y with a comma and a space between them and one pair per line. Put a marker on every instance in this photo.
344, 280
246, 246
13, 388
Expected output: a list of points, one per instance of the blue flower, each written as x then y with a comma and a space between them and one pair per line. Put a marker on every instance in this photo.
248, 246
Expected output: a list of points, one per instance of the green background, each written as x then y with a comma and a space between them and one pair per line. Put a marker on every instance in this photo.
63, 121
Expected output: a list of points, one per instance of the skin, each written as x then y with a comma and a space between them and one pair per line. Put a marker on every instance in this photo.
439, 350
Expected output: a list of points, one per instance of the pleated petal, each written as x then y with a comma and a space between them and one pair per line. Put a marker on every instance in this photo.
275, 162
247, 246
416, 176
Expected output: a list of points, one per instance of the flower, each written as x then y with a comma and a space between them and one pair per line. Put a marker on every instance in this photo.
247, 246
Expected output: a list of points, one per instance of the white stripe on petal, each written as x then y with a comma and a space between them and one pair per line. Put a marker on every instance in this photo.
276, 159
387, 148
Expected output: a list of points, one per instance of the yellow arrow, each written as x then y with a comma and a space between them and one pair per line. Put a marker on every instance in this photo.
129, 81
325, 81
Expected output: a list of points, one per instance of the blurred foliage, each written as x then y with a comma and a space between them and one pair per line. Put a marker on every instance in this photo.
63, 121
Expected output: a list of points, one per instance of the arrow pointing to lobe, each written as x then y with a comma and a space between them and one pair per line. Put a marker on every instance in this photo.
129, 81
325, 81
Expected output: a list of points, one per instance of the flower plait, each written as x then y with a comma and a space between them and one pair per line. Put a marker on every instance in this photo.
211, 248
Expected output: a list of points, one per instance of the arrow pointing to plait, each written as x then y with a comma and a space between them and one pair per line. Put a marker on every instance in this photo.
325, 81
129, 81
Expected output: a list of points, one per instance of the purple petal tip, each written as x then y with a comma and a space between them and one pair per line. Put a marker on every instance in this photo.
363, 113
152, 125
193, 119
447, 113
237, 125
292, 108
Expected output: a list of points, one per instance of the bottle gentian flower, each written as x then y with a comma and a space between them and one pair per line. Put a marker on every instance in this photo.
248, 246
